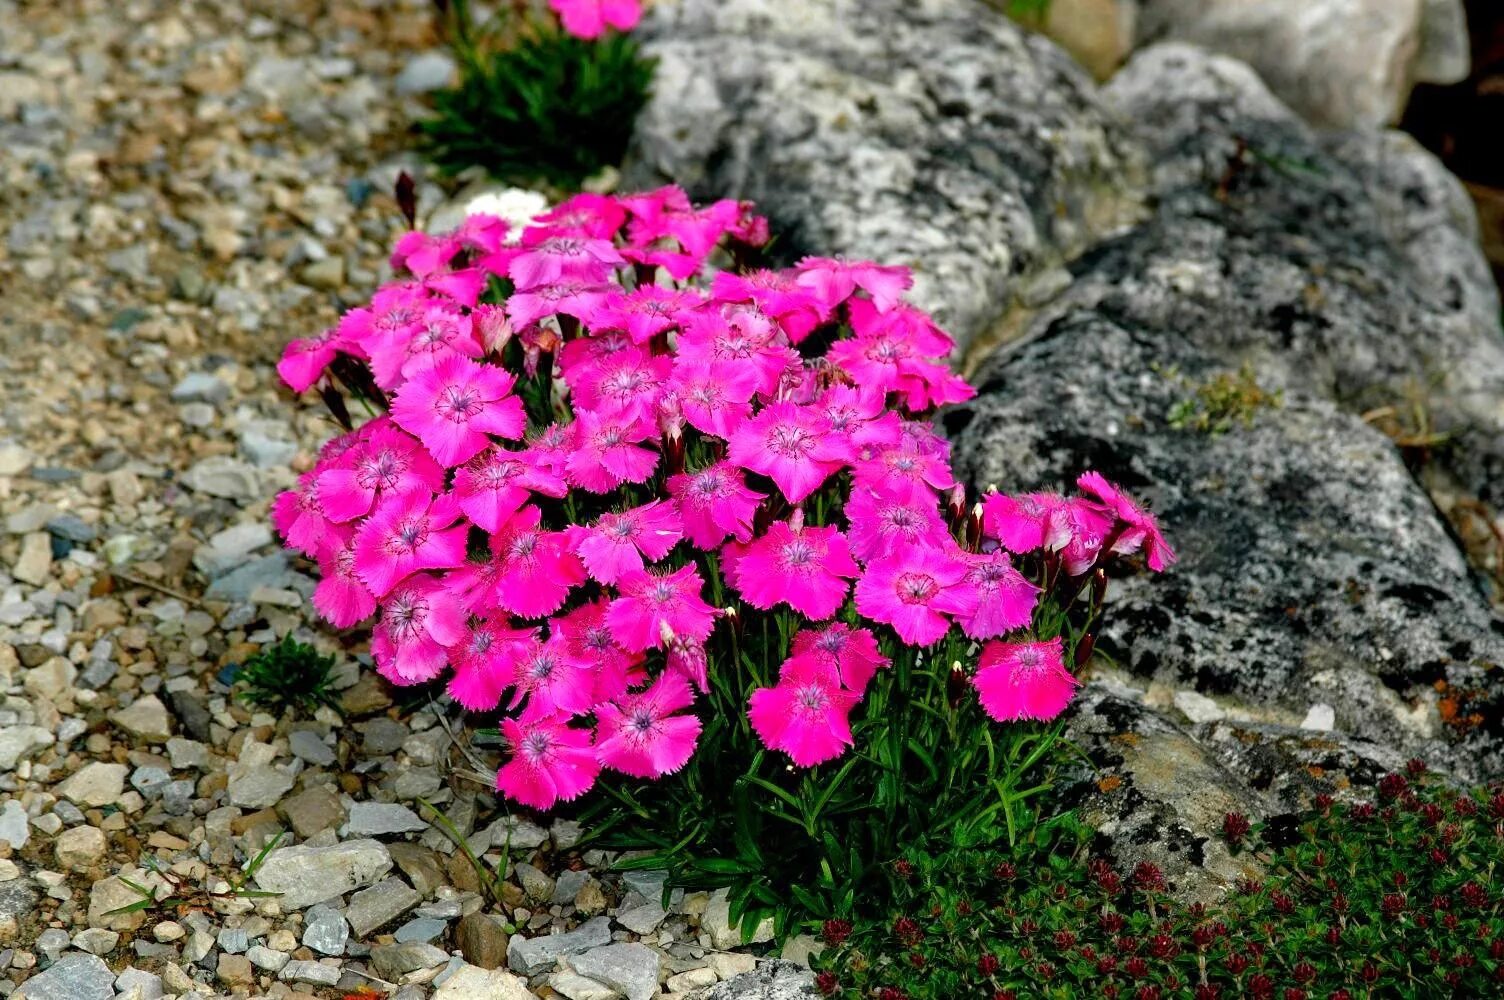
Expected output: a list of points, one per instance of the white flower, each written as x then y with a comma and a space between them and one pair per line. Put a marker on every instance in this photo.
515, 206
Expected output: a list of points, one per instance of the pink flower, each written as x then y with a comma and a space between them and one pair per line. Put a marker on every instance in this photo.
1087, 525
551, 679
408, 532
1005, 599
617, 543
744, 337
805, 715
551, 760
639, 735
589, 19
571, 298
797, 309
913, 591
713, 503
1025, 522
496, 483
608, 452
785, 443
1024, 680
485, 661
1140, 530
382, 461
881, 525
627, 385
850, 654
340, 596
591, 642
563, 258
594, 216
833, 281
652, 599
441, 332
646, 311
714, 398
299, 518
530, 572
417, 622
304, 361
686, 656
806, 567
454, 405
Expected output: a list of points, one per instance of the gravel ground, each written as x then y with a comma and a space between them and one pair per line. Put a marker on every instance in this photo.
184, 187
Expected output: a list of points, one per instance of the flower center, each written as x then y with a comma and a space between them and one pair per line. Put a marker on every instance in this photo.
457, 403
790, 442
916, 588
812, 699
411, 533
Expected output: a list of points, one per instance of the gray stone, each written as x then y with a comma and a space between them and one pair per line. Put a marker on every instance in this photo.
200, 387
258, 786
977, 154
421, 929
308, 875
325, 930
538, 886
642, 919
72, 527
265, 958
234, 940
145, 717
309, 972
1340, 63
425, 72
396, 960
17, 743
72, 977
533, 955
269, 443
222, 476
309, 746
138, 984
630, 968
568, 885
725, 936
379, 905
769, 981
471, 983
95, 784
371, 819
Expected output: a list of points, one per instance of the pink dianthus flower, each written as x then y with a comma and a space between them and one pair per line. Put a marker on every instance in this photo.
1024, 680
454, 405
651, 599
806, 567
640, 735
913, 590
805, 715
551, 761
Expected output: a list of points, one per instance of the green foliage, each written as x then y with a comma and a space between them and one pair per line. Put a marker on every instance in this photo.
290, 676
183, 898
1221, 402
928, 770
1398, 899
535, 104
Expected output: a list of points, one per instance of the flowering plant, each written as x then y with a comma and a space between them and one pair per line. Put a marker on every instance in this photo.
681, 517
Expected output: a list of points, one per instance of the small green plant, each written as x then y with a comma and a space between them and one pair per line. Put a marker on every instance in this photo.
1221, 402
1394, 898
182, 899
290, 676
535, 103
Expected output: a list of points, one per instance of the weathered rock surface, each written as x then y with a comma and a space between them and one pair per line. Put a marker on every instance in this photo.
1315, 570
931, 133
770, 981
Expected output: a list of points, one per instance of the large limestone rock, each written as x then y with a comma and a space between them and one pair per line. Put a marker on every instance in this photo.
932, 133
1340, 63
1317, 580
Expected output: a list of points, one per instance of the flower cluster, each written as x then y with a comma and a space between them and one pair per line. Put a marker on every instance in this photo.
608, 467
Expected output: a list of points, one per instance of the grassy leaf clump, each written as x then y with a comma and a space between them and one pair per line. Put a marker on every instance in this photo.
290, 676
537, 105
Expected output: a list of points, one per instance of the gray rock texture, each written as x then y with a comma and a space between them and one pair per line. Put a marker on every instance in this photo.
1315, 569
770, 981
1340, 63
931, 133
